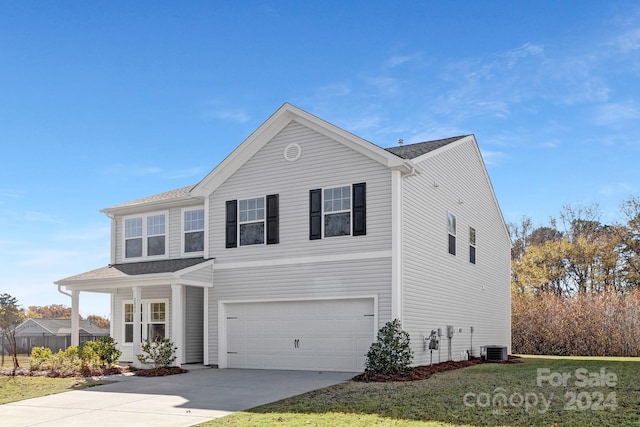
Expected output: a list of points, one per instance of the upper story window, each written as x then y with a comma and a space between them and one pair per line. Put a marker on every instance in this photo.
252, 221
452, 233
193, 227
472, 245
337, 211
145, 236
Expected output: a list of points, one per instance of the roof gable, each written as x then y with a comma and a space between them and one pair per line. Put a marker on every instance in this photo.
271, 127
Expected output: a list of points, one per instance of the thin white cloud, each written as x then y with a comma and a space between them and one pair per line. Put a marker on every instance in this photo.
10, 194
216, 110
493, 158
35, 216
132, 169
397, 60
617, 114
616, 189
99, 233
388, 86
186, 173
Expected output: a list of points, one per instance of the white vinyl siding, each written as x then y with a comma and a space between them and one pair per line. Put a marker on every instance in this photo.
440, 289
267, 172
193, 325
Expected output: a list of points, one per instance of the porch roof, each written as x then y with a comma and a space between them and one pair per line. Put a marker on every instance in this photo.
169, 271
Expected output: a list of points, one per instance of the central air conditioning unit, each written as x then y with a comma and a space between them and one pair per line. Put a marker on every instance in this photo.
494, 353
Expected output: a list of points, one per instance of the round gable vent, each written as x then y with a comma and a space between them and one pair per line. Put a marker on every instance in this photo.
292, 152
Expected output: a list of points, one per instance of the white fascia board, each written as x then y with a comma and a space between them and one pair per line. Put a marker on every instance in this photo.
195, 267
103, 285
271, 127
182, 201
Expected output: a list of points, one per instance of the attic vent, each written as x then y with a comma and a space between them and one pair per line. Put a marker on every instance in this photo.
292, 152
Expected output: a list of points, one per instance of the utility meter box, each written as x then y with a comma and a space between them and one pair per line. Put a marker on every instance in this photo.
433, 340
449, 331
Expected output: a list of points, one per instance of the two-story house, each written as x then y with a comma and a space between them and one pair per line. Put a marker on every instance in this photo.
299, 245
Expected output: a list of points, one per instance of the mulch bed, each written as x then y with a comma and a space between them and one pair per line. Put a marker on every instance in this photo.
159, 372
423, 372
98, 372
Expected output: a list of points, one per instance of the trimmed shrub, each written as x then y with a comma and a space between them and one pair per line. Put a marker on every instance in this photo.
161, 354
104, 348
391, 353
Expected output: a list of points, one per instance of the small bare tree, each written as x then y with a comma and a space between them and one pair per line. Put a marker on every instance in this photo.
11, 315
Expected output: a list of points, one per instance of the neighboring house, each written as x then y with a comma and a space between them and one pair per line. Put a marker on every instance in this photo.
54, 334
303, 242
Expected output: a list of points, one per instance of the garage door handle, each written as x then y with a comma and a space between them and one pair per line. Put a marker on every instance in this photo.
296, 343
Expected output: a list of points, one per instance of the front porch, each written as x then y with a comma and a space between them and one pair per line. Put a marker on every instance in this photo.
150, 300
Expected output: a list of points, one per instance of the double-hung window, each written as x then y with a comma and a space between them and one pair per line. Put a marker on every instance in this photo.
145, 236
337, 211
133, 237
452, 233
472, 245
152, 322
193, 230
157, 321
128, 323
252, 221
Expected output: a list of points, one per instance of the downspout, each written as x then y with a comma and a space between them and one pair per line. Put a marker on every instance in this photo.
63, 292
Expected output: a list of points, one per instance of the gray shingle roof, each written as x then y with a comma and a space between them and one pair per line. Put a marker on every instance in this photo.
167, 195
152, 267
411, 151
135, 269
60, 327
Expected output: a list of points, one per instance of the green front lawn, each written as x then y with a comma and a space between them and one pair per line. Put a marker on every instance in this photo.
13, 389
571, 392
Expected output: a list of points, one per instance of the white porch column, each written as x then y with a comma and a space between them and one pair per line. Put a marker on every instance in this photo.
75, 318
137, 325
177, 321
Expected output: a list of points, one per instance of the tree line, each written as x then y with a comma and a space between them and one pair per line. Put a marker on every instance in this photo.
575, 283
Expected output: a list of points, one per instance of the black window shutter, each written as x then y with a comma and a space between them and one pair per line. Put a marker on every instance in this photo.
315, 214
273, 234
359, 201
232, 224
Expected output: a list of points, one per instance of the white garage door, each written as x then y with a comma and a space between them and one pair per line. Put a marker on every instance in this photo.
326, 335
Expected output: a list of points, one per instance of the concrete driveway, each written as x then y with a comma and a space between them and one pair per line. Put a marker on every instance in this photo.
177, 400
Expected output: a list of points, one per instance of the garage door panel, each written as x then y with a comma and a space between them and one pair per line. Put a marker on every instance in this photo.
306, 335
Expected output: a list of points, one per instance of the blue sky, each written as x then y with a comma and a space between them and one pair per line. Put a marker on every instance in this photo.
105, 102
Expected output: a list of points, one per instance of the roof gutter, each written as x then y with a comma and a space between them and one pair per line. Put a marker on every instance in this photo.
63, 292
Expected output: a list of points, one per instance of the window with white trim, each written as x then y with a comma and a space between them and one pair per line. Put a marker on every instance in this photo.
128, 323
251, 221
157, 321
337, 211
153, 320
145, 236
472, 245
451, 220
193, 226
